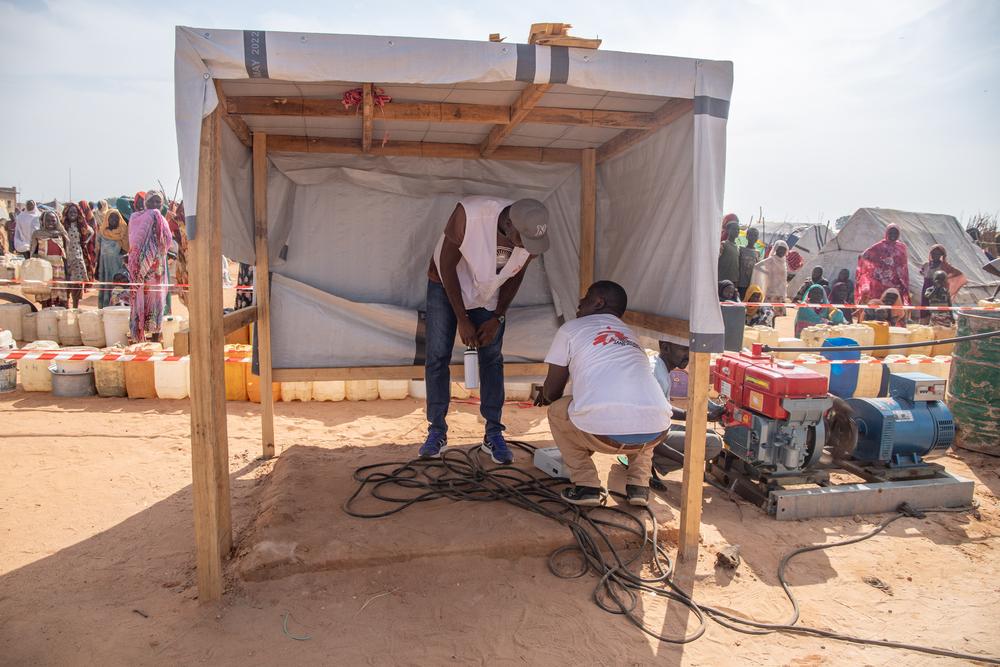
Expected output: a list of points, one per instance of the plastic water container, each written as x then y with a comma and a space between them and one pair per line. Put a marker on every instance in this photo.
859, 332
785, 325
12, 316
35, 374
812, 363
897, 363
329, 390
938, 367
881, 337
759, 334
109, 376
361, 390
140, 376
48, 323
919, 333
417, 389
29, 327
76, 366
236, 375
69, 327
92, 328
171, 325
943, 332
296, 391
788, 342
815, 335
869, 378
115, 320
172, 378
8, 368
36, 269
253, 386
393, 390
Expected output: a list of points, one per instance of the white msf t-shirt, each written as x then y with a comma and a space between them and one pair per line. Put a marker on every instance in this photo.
613, 391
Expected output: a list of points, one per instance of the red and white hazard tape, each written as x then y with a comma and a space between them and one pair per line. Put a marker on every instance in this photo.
736, 304
820, 362
57, 355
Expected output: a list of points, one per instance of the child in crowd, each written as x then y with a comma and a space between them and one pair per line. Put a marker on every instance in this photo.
120, 292
938, 295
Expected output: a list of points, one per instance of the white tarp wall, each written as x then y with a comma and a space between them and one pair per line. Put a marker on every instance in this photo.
351, 236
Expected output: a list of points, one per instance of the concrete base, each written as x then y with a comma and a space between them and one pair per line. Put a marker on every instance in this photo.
301, 526
946, 490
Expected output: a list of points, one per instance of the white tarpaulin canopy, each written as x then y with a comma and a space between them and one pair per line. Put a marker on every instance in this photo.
351, 232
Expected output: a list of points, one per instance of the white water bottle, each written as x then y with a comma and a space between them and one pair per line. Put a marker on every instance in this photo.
471, 361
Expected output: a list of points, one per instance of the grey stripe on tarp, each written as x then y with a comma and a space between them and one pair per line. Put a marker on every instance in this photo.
255, 53
707, 342
525, 63
712, 106
559, 69
191, 225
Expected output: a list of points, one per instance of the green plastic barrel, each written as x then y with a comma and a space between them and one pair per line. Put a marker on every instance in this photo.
974, 383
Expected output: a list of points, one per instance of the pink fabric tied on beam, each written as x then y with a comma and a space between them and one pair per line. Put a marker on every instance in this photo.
355, 97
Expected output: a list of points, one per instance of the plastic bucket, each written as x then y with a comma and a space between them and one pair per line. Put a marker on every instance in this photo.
115, 319
8, 368
843, 377
361, 390
109, 376
390, 390
29, 327
69, 327
172, 378
92, 328
11, 317
296, 391
48, 323
76, 366
140, 376
329, 390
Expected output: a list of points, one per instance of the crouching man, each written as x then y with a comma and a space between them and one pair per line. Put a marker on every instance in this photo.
617, 406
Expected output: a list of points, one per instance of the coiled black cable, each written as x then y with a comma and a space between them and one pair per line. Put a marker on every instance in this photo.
460, 474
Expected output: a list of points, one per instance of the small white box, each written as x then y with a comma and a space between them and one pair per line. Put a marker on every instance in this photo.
549, 460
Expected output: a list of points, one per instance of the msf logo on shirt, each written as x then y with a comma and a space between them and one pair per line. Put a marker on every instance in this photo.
611, 337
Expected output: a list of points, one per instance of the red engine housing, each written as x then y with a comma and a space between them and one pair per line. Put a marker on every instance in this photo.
759, 383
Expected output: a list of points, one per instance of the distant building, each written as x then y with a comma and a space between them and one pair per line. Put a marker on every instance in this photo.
8, 198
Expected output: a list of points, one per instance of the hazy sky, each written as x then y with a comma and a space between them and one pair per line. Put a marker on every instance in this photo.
837, 105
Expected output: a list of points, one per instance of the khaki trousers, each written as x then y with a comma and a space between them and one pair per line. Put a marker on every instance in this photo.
577, 447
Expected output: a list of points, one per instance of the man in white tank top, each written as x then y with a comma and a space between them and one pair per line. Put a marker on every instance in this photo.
476, 270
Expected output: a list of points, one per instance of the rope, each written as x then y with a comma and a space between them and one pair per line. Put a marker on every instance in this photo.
459, 475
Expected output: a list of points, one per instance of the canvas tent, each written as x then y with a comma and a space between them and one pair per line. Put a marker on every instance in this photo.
919, 231
805, 238
339, 208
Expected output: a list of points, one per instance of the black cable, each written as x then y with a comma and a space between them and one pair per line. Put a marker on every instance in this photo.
460, 475
894, 346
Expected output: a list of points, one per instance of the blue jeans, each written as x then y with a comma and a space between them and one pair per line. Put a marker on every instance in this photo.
441, 327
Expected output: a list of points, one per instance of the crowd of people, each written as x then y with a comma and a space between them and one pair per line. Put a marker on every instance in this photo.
878, 292
131, 250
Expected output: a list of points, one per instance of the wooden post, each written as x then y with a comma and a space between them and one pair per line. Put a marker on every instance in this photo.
694, 455
262, 292
209, 440
367, 117
588, 216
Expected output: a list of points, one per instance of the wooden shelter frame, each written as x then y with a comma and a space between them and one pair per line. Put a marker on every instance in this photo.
208, 326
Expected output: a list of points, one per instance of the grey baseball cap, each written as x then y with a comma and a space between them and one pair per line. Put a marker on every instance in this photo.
531, 220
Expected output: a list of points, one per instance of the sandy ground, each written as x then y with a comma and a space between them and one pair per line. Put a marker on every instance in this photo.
96, 556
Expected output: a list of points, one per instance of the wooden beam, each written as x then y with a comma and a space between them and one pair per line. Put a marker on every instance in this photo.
694, 456
367, 118
588, 217
238, 319
238, 125
439, 112
262, 293
296, 144
209, 439
390, 372
668, 113
529, 97
659, 323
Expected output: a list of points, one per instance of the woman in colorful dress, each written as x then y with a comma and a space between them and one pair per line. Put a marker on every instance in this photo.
811, 316
149, 239
883, 266
113, 242
49, 242
78, 234
90, 249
